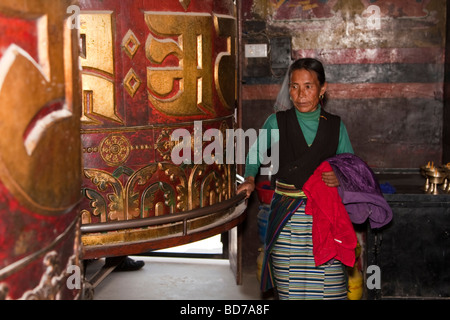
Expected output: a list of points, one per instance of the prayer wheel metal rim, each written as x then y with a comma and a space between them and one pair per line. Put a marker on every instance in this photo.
151, 221
232, 219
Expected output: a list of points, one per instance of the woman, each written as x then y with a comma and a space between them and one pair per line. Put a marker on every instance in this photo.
307, 135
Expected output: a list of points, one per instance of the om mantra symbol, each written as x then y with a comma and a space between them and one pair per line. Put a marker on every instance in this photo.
194, 72
181, 70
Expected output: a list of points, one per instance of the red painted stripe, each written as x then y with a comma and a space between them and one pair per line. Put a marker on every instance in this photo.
371, 56
385, 90
356, 91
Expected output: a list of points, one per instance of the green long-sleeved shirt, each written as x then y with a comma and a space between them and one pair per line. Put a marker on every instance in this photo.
309, 122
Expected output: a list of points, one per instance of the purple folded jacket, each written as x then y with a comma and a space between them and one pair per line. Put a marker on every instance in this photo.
360, 191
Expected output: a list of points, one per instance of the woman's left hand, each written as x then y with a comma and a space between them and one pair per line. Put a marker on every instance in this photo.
330, 179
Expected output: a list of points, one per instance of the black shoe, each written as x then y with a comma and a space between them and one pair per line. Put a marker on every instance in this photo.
128, 264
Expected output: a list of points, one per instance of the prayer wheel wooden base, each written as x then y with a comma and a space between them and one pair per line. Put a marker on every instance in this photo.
152, 233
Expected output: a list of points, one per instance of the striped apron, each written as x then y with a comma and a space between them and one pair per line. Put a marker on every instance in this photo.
291, 259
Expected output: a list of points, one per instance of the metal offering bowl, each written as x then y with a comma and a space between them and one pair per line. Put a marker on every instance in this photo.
436, 176
446, 185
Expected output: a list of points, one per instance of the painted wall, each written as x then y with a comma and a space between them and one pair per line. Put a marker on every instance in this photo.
446, 129
384, 62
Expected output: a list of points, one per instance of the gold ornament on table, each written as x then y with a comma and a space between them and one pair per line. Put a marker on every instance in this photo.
446, 184
429, 167
435, 176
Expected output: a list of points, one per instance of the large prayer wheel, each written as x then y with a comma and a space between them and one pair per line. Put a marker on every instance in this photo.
40, 152
151, 70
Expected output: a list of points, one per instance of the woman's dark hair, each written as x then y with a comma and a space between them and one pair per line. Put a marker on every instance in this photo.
309, 64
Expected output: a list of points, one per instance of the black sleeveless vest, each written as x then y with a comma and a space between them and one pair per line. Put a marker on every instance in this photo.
297, 160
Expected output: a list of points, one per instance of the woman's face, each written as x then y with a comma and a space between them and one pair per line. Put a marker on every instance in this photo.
305, 90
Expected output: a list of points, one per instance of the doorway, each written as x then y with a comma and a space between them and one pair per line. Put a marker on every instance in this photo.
215, 247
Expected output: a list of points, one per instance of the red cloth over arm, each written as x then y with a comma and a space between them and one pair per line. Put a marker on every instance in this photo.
333, 234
